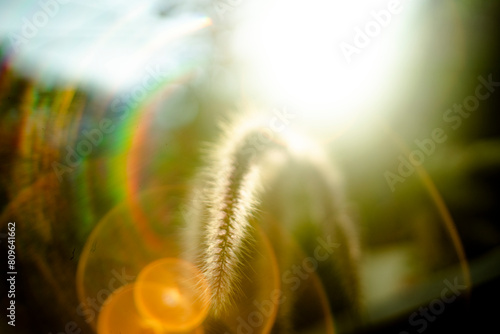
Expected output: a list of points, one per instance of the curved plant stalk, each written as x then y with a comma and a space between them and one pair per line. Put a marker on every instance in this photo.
307, 198
227, 194
222, 203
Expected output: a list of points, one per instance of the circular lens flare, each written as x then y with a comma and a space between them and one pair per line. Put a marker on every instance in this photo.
120, 315
173, 293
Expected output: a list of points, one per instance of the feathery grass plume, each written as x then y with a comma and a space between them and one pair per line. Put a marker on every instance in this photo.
302, 191
228, 194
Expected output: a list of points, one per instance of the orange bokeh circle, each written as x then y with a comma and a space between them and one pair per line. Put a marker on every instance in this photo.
173, 293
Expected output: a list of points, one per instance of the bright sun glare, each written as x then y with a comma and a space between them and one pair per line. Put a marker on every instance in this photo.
329, 60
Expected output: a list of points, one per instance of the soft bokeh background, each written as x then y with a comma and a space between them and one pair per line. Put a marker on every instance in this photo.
163, 74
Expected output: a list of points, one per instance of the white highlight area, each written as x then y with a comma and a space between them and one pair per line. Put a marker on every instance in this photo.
329, 60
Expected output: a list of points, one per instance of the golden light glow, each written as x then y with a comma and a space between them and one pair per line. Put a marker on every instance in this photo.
172, 293
120, 315
169, 296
